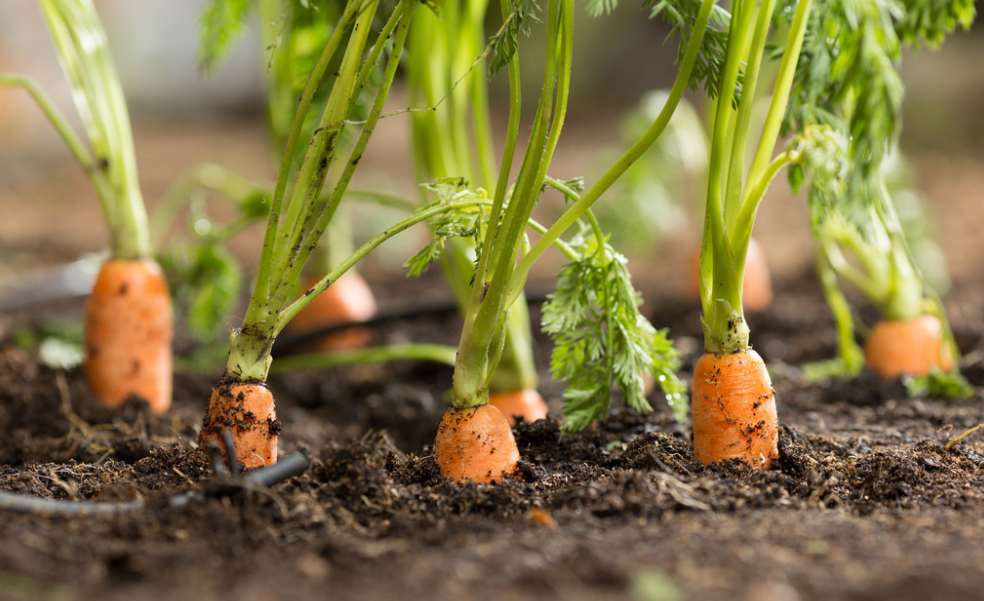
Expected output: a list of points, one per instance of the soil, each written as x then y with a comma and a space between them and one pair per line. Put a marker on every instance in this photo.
865, 501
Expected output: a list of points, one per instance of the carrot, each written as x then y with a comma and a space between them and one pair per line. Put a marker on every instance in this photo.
734, 410
911, 347
128, 331
756, 287
526, 403
346, 300
476, 444
246, 409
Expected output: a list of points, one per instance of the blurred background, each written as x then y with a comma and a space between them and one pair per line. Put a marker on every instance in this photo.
48, 212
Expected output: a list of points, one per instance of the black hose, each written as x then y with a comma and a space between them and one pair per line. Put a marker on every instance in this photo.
292, 465
286, 341
24, 504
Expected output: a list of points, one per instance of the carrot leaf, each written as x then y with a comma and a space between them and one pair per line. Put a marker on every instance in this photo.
505, 44
456, 222
929, 21
709, 66
221, 22
205, 281
602, 341
938, 384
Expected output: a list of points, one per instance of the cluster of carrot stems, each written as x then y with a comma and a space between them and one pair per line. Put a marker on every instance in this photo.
455, 140
876, 259
107, 154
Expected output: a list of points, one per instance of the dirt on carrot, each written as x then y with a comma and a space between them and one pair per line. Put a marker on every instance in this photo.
128, 332
246, 410
910, 347
476, 444
734, 410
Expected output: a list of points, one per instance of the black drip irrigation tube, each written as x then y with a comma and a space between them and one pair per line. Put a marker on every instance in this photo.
230, 479
286, 342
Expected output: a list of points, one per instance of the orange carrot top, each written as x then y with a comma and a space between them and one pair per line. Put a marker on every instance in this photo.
734, 410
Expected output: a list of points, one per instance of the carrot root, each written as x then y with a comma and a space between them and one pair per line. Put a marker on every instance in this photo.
246, 409
907, 347
348, 299
734, 410
526, 403
128, 331
476, 444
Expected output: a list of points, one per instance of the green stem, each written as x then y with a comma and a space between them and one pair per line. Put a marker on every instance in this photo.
745, 108
44, 102
288, 259
423, 215
850, 355
84, 55
486, 310
265, 272
574, 212
755, 190
728, 228
781, 91
308, 243
249, 356
505, 167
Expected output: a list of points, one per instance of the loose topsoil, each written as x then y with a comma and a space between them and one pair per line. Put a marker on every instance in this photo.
865, 502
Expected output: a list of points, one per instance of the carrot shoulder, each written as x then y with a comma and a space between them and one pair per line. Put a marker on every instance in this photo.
246, 409
907, 347
476, 444
349, 299
128, 332
734, 410
526, 403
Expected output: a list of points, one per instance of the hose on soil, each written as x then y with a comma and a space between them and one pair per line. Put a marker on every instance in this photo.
286, 341
292, 465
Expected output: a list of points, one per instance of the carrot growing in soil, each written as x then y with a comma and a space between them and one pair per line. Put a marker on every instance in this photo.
733, 404
857, 216
833, 51
455, 140
296, 220
128, 317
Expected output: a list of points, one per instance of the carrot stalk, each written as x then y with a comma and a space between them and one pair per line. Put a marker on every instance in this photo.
476, 444
247, 410
910, 347
734, 410
756, 285
129, 327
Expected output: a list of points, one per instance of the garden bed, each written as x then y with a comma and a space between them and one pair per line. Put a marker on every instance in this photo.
864, 503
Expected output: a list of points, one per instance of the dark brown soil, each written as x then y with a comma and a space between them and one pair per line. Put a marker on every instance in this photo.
865, 502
